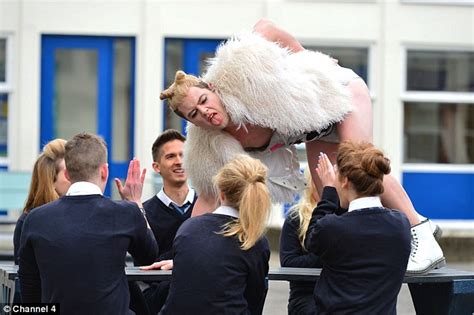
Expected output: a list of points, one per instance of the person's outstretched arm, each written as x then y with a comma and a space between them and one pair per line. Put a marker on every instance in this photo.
273, 33
292, 253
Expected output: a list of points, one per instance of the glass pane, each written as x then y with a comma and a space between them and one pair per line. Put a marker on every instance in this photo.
3, 125
3, 60
439, 133
75, 88
174, 62
348, 57
122, 100
440, 71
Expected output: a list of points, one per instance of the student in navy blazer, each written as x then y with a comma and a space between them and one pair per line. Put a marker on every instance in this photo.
220, 259
166, 210
364, 251
293, 253
48, 183
72, 250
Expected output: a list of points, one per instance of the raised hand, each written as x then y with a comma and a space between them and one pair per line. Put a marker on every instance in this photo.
325, 171
133, 188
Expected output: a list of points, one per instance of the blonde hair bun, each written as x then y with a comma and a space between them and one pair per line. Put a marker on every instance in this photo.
176, 92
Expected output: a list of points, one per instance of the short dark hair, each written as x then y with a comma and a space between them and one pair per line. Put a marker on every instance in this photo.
167, 136
85, 153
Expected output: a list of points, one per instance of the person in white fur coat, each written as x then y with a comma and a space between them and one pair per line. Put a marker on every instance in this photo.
261, 94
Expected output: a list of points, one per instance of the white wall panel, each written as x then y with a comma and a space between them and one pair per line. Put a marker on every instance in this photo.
384, 26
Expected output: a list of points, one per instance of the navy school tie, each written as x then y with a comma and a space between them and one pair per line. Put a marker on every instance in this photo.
181, 209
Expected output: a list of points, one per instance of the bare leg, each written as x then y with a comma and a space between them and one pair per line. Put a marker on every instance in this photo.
358, 126
395, 197
425, 252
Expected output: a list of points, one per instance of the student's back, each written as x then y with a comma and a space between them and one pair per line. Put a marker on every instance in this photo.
221, 259
80, 243
211, 273
365, 261
364, 251
72, 251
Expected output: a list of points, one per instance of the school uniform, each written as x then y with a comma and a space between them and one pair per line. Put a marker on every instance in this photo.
165, 217
212, 274
292, 254
17, 235
365, 254
16, 247
72, 251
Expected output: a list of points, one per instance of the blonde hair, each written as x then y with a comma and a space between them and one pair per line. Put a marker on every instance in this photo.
243, 183
364, 166
178, 90
44, 175
305, 206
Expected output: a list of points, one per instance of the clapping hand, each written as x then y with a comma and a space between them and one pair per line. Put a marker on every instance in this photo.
325, 170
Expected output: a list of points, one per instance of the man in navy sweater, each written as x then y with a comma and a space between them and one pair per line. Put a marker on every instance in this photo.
72, 250
168, 209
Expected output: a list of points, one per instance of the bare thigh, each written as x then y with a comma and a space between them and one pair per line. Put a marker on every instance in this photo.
356, 126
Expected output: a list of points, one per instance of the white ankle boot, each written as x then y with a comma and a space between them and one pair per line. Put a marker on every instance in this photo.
435, 229
425, 252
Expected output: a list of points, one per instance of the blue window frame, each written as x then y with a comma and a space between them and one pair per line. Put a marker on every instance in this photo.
104, 105
188, 55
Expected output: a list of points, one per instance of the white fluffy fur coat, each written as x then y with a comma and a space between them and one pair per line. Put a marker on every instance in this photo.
261, 83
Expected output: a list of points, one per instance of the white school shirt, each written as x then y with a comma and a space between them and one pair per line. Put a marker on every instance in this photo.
365, 202
167, 200
83, 188
226, 210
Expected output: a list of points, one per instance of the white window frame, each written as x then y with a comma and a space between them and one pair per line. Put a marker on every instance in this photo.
371, 73
7, 88
436, 97
277, 217
370, 46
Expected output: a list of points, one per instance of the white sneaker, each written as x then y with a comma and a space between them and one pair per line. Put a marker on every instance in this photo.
435, 229
425, 252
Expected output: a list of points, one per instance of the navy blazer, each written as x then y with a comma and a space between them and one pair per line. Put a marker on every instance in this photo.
72, 252
212, 274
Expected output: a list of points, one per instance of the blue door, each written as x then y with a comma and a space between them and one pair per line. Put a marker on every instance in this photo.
188, 55
87, 84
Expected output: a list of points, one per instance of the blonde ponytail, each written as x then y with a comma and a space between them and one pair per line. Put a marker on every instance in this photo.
305, 206
242, 181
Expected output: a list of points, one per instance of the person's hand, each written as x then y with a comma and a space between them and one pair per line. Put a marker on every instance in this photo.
271, 32
163, 265
133, 188
325, 171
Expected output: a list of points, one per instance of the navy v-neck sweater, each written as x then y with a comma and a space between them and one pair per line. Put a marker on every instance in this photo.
164, 222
